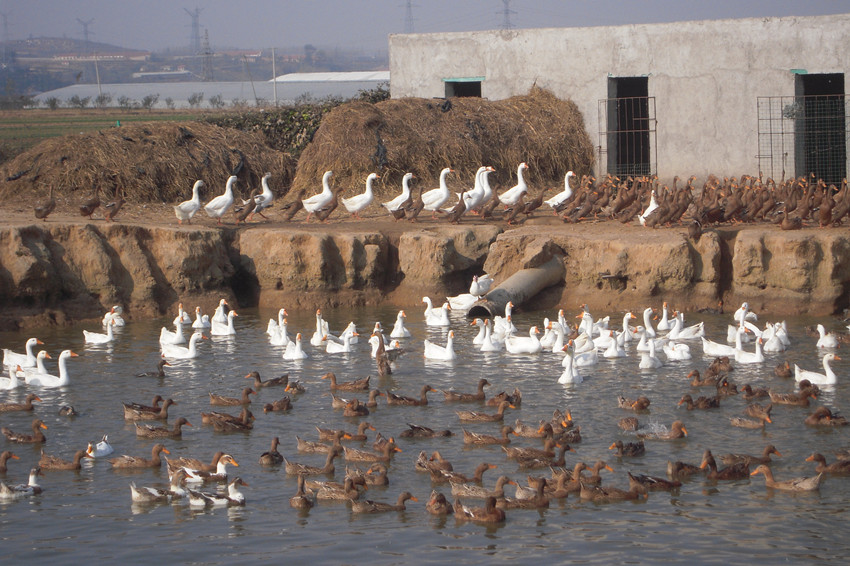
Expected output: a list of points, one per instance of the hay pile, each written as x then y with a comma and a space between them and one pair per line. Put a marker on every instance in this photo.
149, 163
422, 136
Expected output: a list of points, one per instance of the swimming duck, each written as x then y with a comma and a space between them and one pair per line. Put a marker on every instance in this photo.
475, 416
100, 449
295, 469
218, 207
823, 416
795, 484
677, 430
783, 369
489, 514
517, 452
599, 494
438, 504
157, 495
442, 476
355, 385
283, 380
732, 459
628, 449
194, 464
369, 506
393, 399
22, 490
481, 439
222, 401
700, 402
196, 475
737, 471
318, 447
223, 422
652, 483
22, 438
419, 431
679, 470
138, 412
48, 462
749, 393
160, 372
479, 492
272, 457
799, 398
234, 497
27, 405
386, 454
302, 498
282, 404
4, 457
758, 411
149, 431
837, 468
295, 387
155, 461
354, 408
641, 404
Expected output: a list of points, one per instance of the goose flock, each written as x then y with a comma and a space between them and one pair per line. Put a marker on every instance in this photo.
575, 351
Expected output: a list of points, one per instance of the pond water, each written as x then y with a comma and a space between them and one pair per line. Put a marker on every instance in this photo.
88, 515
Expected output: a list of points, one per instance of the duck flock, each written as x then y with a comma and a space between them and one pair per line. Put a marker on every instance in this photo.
535, 446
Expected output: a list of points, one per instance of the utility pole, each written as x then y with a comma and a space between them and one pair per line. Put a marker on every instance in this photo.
506, 15
5, 17
274, 79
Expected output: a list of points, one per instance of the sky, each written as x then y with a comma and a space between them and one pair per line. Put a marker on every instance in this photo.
360, 25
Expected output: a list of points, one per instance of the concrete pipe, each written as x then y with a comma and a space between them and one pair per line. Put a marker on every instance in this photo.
519, 288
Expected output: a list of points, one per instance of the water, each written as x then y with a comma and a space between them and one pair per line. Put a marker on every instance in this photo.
88, 515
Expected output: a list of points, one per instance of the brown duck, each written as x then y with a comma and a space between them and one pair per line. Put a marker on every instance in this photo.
25, 406
733, 472
393, 399
478, 396
23, 438
475, 416
136, 462
356, 385
222, 401
150, 431
47, 462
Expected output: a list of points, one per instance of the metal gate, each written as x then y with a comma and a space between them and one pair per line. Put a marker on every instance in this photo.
799, 135
627, 136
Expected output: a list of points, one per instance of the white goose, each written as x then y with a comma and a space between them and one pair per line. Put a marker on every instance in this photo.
487, 190
27, 360
648, 360
318, 201
462, 302
100, 449
273, 324
480, 285
679, 332
826, 378
514, 195
358, 203
563, 195
524, 344
711, 348
294, 351
99, 337
676, 351
322, 330
219, 206
827, 339
570, 373
775, 337
615, 349
472, 199
664, 323
647, 323
201, 321
168, 337
39, 365
436, 352
744, 313
280, 337
744, 357
11, 382
502, 325
399, 329
48, 380
628, 331
176, 351
396, 203
437, 317
187, 209
218, 329
653, 204
220, 314
336, 348
435, 198
265, 199
482, 331
114, 315
489, 344
182, 316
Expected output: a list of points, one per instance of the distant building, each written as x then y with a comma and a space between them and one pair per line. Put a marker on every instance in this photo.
727, 97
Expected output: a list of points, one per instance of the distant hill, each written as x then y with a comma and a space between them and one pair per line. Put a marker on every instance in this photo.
52, 46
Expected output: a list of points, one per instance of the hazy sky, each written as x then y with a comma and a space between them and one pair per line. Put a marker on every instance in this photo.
359, 24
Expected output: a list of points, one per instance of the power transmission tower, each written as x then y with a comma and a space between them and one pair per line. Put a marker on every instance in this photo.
207, 73
408, 17
86, 33
506, 15
195, 39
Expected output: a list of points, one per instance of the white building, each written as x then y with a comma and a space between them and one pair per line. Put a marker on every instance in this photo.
725, 97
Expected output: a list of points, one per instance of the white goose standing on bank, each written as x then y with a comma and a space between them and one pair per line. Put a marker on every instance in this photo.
318, 201
396, 203
653, 204
480, 285
187, 209
263, 200
219, 206
435, 198
514, 195
358, 203
563, 195
487, 189
472, 199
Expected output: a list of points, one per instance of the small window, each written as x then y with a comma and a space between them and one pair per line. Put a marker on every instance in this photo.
465, 86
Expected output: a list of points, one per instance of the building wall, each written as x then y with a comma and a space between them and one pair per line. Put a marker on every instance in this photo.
705, 75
